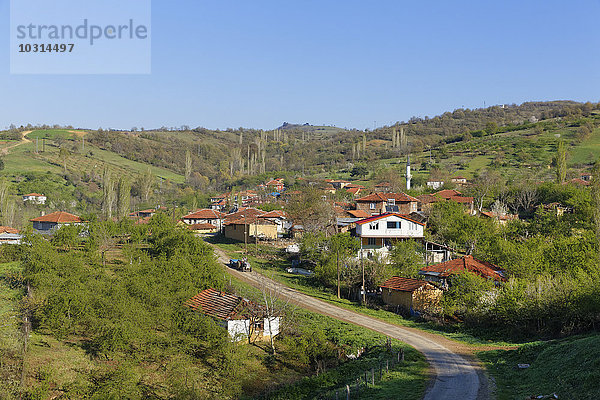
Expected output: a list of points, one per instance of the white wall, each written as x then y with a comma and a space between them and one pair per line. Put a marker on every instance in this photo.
378, 228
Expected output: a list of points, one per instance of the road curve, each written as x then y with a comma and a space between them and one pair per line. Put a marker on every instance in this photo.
455, 376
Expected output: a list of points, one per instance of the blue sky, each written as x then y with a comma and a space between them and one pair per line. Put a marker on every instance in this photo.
222, 64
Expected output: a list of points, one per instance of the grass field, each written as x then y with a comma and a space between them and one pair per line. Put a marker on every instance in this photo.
570, 368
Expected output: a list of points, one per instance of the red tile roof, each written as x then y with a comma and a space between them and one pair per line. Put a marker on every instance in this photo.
204, 214
404, 284
275, 214
221, 305
577, 181
467, 263
383, 184
448, 193
353, 190
461, 199
33, 194
8, 229
359, 213
59, 217
376, 217
428, 198
380, 197
248, 212
201, 227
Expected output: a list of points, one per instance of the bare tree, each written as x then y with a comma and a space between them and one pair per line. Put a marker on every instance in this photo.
276, 306
188, 165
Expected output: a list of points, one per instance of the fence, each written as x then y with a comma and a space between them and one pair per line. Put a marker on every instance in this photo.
357, 387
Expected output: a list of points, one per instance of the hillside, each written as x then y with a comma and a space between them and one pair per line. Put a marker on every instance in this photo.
462, 142
570, 368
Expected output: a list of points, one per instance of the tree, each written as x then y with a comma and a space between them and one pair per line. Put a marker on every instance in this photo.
485, 185
274, 306
561, 162
188, 165
360, 171
596, 198
342, 245
407, 257
123, 197
64, 155
311, 211
108, 193
67, 237
146, 181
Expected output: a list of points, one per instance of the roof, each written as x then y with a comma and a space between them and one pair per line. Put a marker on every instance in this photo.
578, 181
359, 213
58, 217
242, 213
404, 284
275, 214
221, 305
505, 217
428, 198
201, 227
353, 190
466, 263
275, 182
204, 214
378, 197
8, 229
461, 199
354, 185
385, 215
459, 177
383, 184
251, 219
448, 193
33, 194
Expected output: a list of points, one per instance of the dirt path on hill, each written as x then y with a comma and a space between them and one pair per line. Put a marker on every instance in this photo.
23, 141
456, 374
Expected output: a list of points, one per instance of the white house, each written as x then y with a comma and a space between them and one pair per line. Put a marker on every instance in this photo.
205, 216
435, 184
34, 198
241, 317
378, 233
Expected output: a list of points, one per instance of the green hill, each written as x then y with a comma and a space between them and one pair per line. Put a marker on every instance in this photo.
570, 368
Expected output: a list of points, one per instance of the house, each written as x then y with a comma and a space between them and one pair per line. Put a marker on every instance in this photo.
241, 317
459, 180
558, 208
411, 295
34, 198
275, 185
455, 195
142, 214
587, 177
280, 218
202, 228
338, 183
49, 223
379, 203
437, 253
501, 219
206, 217
426, 202
378, 233
10, 235
354, 191
435, 184
577, 181
249, 228
441, 273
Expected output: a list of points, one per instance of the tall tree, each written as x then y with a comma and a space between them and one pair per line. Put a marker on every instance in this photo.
108, 193
596, 199
561, 162
342, 246
188, 165
123, 197
147, 181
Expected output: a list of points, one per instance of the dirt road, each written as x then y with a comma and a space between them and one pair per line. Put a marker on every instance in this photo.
22, 141
456, 376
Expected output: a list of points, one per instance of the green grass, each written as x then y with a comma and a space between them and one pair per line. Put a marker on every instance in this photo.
50, 134
570, 368
587, 151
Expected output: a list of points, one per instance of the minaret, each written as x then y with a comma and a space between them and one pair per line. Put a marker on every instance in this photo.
408, 175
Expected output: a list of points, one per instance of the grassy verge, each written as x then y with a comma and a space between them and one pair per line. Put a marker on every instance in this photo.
569, 367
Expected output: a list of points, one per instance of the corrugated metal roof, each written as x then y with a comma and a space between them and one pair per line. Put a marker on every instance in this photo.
222, 305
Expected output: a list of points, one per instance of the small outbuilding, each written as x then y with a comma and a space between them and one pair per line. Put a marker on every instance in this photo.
411, 295
241, 317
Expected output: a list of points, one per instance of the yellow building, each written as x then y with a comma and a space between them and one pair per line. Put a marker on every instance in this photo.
250, 228
411, 294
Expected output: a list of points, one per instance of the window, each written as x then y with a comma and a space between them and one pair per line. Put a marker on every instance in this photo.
372, 206
392, 202
393, 225
371, 241
374, 226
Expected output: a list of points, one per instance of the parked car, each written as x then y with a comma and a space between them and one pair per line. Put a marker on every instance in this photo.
241, 265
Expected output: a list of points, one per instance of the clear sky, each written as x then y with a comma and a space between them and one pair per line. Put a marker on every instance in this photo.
350, 63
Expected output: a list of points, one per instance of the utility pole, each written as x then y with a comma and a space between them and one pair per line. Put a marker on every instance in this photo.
362, 265
245, 235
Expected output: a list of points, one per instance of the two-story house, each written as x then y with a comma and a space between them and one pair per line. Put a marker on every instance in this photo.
34, 198
205, 216
379, 203
378, 233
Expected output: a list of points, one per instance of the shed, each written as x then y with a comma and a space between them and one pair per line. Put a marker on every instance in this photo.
411, 295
